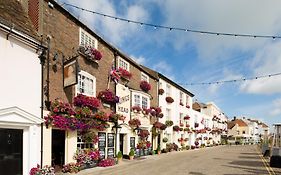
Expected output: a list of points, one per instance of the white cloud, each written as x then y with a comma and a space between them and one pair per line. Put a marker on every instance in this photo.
112, 29
164, 68
266, 61
276, 110
140, 60
237, 16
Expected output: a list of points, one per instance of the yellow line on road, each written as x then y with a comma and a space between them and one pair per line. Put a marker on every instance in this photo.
266, 165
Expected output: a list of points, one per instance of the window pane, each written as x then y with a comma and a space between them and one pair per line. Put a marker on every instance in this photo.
144, 102
137, 100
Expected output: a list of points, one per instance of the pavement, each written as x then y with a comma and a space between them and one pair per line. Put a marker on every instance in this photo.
220, 160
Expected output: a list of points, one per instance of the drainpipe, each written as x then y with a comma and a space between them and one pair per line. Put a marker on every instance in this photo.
42, 58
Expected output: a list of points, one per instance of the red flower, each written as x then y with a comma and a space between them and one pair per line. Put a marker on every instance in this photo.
136, 108
159, 125
186, 117
145, 86
143, 134
176, 128
108, 97
85, 101
124, 73
134, 123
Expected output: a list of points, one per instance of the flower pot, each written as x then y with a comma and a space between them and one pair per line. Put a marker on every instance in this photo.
119, 160
131, 157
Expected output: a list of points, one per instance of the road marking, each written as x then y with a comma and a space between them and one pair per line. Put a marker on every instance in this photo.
266, 165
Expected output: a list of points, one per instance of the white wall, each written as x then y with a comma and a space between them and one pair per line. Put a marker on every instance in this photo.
20, 76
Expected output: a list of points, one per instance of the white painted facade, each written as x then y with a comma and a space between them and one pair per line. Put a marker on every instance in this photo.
20, 92
176, 112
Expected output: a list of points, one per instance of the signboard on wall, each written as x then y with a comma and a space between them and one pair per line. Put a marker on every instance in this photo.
110, 152
70, 73
102, 140
102, 152
123, 107
110, 140
132, 142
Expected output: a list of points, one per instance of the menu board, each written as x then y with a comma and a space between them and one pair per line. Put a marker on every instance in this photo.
102, 153
132, 142
102, 140
110, 140
110, 152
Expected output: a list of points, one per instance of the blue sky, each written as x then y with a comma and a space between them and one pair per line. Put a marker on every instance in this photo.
188, 57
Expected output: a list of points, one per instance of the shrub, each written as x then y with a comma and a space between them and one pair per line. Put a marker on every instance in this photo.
132, 152
119, 154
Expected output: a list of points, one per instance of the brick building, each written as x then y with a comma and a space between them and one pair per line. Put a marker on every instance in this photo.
71, 72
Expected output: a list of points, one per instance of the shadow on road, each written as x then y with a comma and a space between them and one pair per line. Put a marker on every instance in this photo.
249, 153
196, 173
249, 170
248, 157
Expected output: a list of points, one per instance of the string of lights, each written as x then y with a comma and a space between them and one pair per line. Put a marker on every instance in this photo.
232, 81
156, 26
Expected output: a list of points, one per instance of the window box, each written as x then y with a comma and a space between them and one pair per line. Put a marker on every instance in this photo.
90, 53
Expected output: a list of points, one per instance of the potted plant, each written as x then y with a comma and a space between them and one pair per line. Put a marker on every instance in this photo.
119, 157
158, 150
132, 154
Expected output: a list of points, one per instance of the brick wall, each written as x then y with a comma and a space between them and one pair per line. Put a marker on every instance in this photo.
33, 12
64, 34
135, 84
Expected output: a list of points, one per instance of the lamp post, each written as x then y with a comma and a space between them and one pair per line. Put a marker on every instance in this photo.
116, 129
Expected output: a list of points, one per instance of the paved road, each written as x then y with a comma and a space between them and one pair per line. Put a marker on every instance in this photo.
221, 160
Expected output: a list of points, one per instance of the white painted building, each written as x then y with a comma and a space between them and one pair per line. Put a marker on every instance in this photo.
20, 92
176, 111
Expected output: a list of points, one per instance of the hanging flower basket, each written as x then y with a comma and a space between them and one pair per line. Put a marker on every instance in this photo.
124, 73
169, 100
196, 125
109, 97
134, 123
161, 91
143, 134
181, 103
187, 106
113, 117
90, 53
145, 86
181, 124
187, 125
186, 117
169, 123
159, 125
176, 128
